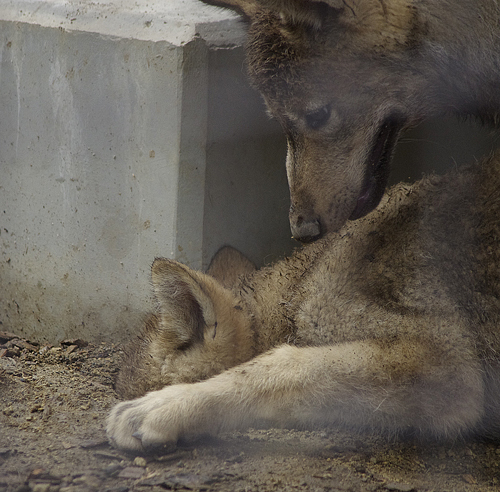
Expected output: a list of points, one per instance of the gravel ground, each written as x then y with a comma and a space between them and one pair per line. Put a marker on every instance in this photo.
54, 402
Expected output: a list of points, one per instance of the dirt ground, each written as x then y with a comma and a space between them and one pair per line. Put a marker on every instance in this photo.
53, 406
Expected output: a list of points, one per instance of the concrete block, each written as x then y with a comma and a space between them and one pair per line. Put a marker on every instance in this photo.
128, 131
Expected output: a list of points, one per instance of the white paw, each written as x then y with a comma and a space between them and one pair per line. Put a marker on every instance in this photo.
154, 421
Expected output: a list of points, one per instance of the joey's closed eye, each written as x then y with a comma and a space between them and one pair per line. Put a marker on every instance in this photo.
319, 117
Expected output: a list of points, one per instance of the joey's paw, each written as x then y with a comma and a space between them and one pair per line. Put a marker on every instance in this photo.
150, 423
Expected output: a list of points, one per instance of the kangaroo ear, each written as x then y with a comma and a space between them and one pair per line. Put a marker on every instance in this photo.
245, 7
185, 309
314, 12
228, 264
286, 5
387, 24
297, 10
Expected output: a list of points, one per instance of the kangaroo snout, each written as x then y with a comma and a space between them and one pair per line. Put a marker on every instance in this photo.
304, 228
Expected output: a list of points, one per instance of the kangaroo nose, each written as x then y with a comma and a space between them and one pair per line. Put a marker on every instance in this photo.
304, 230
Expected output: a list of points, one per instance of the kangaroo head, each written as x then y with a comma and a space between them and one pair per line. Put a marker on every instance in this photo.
339, 76
199, 322
199, 329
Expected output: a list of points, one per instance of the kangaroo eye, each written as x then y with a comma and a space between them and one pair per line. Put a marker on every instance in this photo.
317, 119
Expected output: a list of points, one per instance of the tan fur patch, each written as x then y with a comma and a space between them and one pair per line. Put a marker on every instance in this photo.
383, 24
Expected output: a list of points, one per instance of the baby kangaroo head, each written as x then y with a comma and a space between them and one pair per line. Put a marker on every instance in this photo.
340, 78
202, 329
197, 331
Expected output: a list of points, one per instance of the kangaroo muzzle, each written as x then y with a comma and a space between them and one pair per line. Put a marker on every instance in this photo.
305, 228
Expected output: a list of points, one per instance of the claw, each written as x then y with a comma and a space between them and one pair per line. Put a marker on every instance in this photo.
160, 449
138, 435
155, 448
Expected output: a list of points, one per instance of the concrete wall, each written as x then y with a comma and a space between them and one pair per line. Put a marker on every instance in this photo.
128, 131
441, 144
246, 201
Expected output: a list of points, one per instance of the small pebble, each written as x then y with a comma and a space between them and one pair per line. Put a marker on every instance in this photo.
140, 461
40, 487
112, 469
399, 487
134, 472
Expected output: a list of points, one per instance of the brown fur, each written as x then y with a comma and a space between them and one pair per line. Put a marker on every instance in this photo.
186, 327
228, 265
346, 77
391, 325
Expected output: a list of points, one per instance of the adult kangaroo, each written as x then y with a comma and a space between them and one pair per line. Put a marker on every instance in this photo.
346, 77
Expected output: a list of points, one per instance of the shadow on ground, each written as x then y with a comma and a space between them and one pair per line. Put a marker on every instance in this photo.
53, 405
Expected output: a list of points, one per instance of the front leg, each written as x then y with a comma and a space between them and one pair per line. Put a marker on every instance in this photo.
387, 386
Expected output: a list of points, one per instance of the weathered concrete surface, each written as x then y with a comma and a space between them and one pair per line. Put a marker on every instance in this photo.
173, 21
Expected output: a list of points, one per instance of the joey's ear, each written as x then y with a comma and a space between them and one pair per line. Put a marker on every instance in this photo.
228, 264
184, 306
245, 7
